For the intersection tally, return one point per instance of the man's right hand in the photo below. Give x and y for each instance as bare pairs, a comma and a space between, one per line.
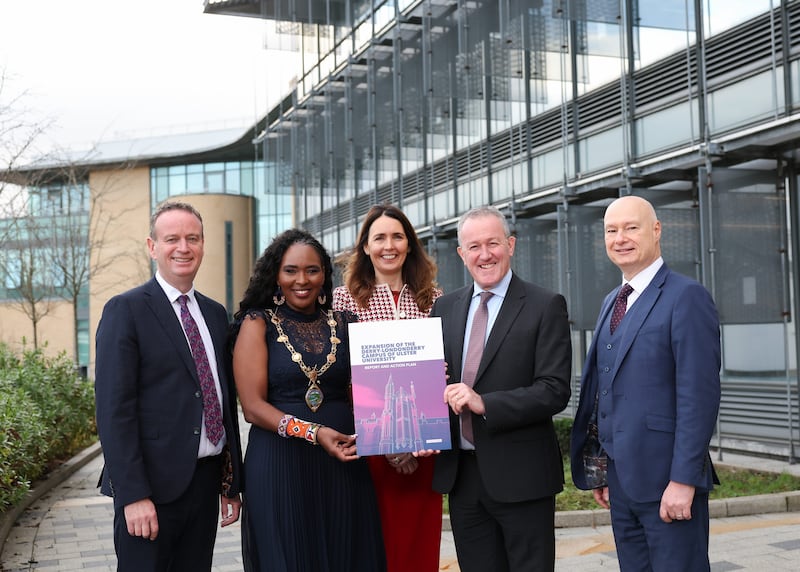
142, 519
601, 496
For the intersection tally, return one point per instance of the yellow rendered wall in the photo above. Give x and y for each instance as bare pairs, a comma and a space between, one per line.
120, 219
124, 201
120, 222
55, 330
216, 209
119, 213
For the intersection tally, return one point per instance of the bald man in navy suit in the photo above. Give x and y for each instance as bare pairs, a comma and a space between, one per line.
649, 399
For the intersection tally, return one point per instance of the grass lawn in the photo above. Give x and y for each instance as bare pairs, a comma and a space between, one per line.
735, 483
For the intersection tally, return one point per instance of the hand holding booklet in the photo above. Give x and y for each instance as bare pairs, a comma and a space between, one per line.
398, 377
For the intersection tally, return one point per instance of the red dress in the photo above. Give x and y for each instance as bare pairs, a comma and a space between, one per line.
410, 510
411, 515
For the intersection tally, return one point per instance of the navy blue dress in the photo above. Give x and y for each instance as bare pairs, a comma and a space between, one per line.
303, 509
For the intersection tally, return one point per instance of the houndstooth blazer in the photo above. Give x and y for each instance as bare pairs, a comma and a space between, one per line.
381, 304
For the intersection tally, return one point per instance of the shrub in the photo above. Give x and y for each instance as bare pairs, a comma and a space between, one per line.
46, 414
19, 443
563, 427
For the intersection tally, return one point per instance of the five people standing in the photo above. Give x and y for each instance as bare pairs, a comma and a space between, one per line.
167, 417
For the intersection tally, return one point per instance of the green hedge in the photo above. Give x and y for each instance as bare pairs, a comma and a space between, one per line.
46, 415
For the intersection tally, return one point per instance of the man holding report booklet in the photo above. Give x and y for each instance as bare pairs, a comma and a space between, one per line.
503, 389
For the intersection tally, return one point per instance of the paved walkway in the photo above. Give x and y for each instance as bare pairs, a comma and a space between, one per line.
69, 528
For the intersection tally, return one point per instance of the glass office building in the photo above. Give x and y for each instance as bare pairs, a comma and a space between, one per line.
549, 109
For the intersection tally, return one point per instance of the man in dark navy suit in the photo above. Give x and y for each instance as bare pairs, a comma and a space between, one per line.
166, 408
649, 400
507, 378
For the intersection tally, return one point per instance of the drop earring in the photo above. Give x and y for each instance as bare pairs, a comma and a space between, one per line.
278, 298
322, 298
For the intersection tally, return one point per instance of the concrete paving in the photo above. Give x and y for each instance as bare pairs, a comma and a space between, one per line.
69, 528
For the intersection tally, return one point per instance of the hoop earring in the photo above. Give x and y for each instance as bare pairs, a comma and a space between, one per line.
278, 298
322, 298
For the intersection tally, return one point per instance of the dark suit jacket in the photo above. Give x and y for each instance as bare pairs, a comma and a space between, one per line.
524, 379
149, 403
665, 389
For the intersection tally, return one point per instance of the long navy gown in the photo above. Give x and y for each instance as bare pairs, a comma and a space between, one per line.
303, 509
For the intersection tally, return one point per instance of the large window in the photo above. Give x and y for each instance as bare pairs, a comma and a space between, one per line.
262, 181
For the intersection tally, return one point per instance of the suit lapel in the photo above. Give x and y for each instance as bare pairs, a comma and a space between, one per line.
165, 315
215, 327
510, 309
461, 309
637, 314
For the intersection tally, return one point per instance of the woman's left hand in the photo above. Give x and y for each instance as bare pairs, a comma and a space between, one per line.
338, 445
403, 463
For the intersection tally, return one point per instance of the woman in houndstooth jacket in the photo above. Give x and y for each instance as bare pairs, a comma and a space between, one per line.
389, 276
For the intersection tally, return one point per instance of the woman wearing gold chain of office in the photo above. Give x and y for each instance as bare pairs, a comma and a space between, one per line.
309, 503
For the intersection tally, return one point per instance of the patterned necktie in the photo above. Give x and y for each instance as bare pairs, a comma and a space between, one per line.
620, 305
211, 409
477, 339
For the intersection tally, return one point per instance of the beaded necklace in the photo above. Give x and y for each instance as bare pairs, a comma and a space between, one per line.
314, 395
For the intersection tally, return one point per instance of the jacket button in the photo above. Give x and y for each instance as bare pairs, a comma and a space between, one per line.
196, 430
198, 395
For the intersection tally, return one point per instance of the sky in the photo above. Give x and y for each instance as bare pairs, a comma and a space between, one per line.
105, 70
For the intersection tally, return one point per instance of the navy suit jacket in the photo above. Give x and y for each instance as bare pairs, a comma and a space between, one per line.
524, 379
149, 402
662, 407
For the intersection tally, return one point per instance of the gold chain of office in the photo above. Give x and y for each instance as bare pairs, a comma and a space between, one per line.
314, 395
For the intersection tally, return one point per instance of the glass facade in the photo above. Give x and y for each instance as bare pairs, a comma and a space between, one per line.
549, 109
273, 209
45, 254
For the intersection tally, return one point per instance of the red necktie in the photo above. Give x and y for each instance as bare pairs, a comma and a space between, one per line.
620, 305
477, 339
211, 409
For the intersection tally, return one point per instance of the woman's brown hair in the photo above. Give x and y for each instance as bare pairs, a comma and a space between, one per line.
419, 269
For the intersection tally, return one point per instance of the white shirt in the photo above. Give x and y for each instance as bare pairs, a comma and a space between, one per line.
642, 280
207, 448
493, 308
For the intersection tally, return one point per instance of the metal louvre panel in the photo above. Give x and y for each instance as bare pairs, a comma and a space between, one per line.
597, 276
748, 231
451, 273
536, 252
758, 412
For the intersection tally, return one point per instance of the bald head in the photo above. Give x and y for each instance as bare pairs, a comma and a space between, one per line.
632, 234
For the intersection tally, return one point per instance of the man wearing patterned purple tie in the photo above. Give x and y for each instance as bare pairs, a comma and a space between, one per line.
649, 398
166, 408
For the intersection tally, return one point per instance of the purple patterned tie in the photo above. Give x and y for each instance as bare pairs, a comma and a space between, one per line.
211, 408
620, 306
477, 339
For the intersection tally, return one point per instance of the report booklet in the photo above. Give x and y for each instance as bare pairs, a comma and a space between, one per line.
398, 386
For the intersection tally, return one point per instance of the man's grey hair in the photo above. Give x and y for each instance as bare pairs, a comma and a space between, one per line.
486, 210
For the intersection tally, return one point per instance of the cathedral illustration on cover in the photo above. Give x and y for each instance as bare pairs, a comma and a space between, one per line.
398, 378
401, 425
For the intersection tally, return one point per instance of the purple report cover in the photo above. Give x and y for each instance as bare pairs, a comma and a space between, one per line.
398, 382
